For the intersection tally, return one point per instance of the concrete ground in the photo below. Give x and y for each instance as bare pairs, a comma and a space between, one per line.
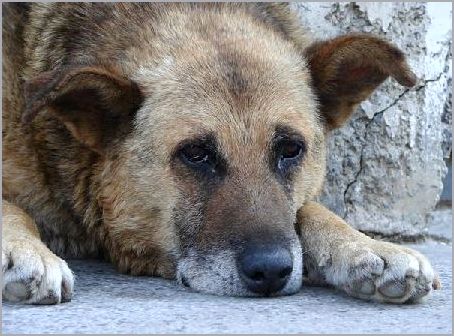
108, 302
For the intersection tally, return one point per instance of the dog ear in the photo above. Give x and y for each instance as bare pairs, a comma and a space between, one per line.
347, 69
94, 103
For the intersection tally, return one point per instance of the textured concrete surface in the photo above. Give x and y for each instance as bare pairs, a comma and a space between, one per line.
386, 167
107, 302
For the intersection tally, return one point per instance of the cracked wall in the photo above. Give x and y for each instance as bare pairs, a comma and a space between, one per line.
385, 167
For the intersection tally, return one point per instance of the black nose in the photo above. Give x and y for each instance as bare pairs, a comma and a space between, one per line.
265, 268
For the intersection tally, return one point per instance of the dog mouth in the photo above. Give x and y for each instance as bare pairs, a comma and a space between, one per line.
259, 271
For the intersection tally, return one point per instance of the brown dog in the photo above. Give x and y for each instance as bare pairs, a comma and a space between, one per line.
185, 140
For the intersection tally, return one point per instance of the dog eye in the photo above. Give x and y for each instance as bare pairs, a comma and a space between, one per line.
201, 156
290, 150
288, 153
196, 154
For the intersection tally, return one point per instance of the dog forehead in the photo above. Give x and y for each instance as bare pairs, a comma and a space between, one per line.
239, 98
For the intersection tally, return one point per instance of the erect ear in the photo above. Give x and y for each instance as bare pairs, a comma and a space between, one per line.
95, 104
347, 69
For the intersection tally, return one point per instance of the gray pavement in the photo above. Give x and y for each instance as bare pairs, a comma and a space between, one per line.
108, 302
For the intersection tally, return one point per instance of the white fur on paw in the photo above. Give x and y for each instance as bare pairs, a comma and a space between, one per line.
382, 272
33, 274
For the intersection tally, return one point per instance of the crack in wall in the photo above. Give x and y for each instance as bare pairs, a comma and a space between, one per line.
406, 238
366, 134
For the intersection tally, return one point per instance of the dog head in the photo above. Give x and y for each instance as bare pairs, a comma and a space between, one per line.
211, 140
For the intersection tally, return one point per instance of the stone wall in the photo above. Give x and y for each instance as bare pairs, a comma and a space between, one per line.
386, 166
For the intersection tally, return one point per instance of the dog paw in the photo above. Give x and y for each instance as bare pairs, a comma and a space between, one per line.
33, 274
382, 272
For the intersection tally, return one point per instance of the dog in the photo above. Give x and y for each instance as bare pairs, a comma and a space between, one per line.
186, 141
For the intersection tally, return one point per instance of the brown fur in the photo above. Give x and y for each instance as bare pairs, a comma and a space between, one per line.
98, 99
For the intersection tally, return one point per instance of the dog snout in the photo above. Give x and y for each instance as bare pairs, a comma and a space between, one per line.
265, 269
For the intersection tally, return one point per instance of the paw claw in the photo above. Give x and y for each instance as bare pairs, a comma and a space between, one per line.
436, 284
51, 298
66, 292
364, 287
394, 289
17, 291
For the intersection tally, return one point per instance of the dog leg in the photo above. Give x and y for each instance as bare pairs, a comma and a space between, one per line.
31, 272
338, 255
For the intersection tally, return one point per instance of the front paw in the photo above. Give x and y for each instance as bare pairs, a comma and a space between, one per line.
33, 274
381, 271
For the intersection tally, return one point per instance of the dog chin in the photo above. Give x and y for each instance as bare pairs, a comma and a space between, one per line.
216, 273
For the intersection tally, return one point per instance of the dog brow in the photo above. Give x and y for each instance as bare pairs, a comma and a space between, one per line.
282, 130
207, 138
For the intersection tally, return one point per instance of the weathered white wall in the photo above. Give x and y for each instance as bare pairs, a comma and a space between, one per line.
386, 166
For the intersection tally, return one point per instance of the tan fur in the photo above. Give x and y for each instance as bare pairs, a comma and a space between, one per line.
95, 115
